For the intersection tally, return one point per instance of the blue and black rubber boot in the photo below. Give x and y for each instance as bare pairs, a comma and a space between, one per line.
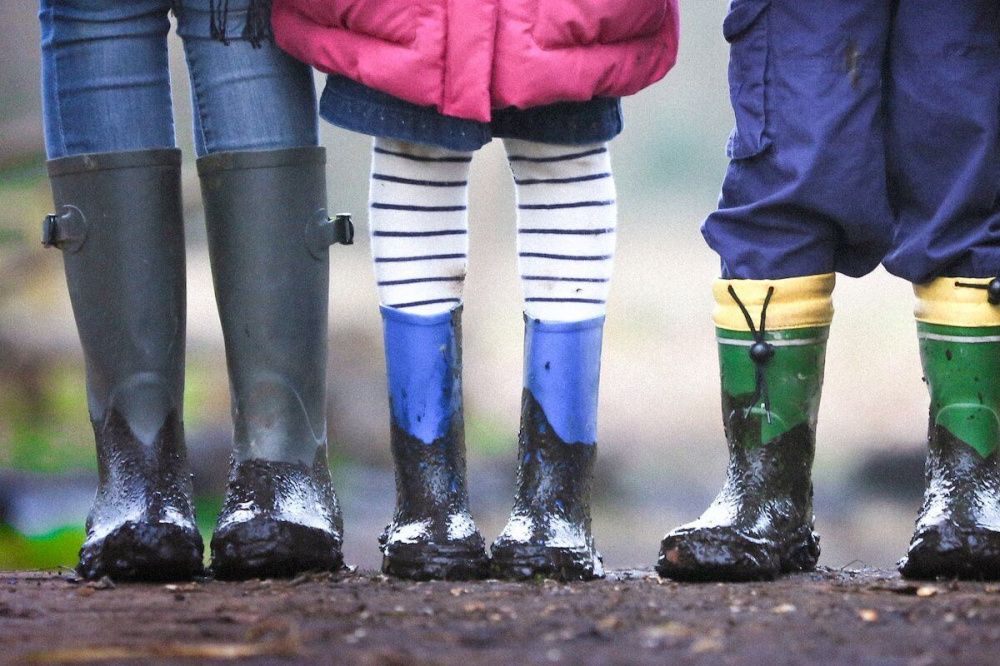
548, 533
432, 534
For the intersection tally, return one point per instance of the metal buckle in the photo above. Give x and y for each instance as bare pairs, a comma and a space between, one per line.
322, 232
66, 231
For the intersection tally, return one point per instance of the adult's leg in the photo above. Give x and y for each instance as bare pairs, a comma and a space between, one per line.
264, 190
116, 186
944, 166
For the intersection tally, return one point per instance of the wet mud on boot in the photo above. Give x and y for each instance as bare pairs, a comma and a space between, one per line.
548, 533
142, 524
958, 530
432, 535
268, 241
761, 523
957, 533
119, 226
278, 520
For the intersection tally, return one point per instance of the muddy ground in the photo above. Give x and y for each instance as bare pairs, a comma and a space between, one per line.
849, 616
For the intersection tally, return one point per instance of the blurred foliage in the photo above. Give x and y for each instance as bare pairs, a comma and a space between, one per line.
57, 549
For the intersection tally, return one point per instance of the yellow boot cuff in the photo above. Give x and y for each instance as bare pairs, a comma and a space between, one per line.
945, 301
799, 302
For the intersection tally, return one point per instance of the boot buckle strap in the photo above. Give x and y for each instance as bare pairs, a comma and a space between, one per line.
322, 232
66, 230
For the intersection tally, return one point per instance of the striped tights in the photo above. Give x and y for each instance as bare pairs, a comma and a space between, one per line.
566, 217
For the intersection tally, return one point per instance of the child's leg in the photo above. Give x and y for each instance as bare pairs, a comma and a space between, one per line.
419, 228
566, 218
418, 213
566, 240
804, 197
944, 169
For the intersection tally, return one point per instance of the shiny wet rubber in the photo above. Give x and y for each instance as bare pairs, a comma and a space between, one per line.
118, 223
548, 533
278, 519
432, 535
761, 523
957, 533
265, 213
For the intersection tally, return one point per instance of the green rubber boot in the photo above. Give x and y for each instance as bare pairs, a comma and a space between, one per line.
268, 240
958, 529
761, 523
119, 226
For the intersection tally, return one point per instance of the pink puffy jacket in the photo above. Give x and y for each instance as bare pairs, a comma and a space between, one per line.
466, 57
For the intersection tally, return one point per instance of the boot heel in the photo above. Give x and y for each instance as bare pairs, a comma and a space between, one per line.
801, 552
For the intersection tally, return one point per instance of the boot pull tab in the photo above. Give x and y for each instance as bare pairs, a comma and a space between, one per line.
760, 352
322, 232
992, 289
66, 231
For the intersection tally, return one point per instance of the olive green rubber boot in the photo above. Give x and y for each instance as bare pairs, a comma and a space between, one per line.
119, 226
958, 529
268, 241
772, 343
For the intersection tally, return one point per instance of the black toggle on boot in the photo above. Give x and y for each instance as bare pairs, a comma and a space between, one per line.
118, 223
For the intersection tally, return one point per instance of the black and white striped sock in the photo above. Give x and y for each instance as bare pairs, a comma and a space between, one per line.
418, 214
566, 217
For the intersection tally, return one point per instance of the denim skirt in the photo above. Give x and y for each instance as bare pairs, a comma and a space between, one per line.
357, 107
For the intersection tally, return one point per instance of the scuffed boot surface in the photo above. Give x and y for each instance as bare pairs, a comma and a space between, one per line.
432, 535
761, 523
142, 524
278, 519
548, 534
958, 530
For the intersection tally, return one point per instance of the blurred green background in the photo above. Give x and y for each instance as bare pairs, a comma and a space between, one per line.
662, 452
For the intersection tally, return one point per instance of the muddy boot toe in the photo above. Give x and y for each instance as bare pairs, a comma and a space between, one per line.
279, 519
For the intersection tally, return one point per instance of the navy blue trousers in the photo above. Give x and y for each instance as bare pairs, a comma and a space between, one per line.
866, 131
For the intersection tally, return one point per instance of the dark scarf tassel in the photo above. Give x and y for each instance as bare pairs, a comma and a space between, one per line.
256, 29
258, 24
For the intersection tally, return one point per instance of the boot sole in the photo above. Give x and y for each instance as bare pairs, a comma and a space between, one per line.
525, 562
725, 557
154, 552
264, 548
927, 559
423, 561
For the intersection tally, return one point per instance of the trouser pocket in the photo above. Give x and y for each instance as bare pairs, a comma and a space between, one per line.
746, 30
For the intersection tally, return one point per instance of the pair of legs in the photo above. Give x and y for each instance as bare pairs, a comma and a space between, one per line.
118, 221
566, 217
865, 131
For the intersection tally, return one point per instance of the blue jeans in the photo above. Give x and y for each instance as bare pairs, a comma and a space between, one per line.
866, 131
106, 85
